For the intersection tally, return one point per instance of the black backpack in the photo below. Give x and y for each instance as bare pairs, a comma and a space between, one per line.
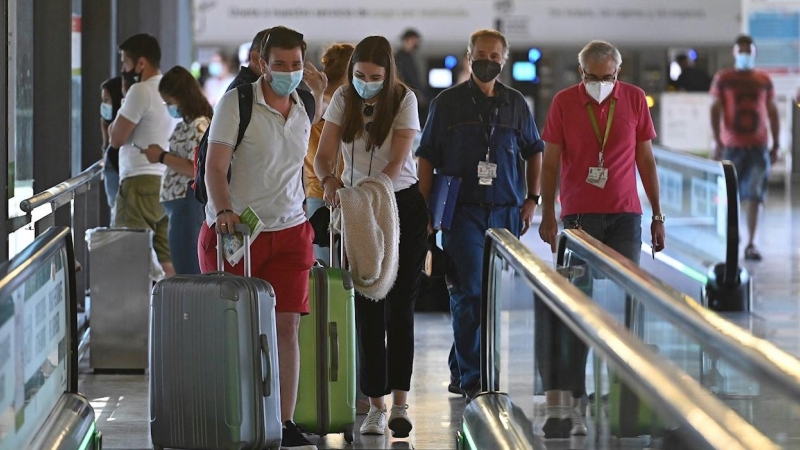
245, 94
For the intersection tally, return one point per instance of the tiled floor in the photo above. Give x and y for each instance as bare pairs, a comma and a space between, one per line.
120, 401
777, 277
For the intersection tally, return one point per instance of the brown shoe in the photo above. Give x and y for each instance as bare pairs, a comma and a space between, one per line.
751, 253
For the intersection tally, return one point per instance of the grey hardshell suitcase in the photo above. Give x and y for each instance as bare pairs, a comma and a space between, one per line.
214, 380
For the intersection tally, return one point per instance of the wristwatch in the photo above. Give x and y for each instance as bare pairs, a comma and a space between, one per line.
536, 198
659, 217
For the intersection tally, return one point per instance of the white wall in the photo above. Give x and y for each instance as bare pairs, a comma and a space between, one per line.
444, 22
232, 22
639, 22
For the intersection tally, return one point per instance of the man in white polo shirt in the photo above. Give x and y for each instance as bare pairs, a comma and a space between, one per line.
266, 175
142, 120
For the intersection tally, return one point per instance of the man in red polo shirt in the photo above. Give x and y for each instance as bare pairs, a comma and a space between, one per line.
743, 104
599, 132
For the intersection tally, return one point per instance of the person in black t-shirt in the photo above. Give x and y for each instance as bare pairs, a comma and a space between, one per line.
408, 71
691, 79
250, 72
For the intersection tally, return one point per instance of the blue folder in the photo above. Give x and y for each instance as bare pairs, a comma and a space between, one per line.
442, 201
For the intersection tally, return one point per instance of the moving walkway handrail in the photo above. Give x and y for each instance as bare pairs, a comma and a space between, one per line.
731, 274
687, 160
704, 417
57, 192
747, 352
727, 170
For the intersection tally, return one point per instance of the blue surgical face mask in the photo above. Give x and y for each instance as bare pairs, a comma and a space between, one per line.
283, 83
173, 111
215, 69
745, 61
367, 89
107, 112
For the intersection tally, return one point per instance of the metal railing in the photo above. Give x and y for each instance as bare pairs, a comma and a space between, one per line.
74, 203
58, 194
703, 418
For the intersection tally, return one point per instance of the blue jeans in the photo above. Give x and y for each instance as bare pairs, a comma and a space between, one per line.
463, 244
622, 232
560, 354
752, 171
186, 216
111, 183
313, 204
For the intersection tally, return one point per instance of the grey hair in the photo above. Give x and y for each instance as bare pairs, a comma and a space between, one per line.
488, 33
598, 51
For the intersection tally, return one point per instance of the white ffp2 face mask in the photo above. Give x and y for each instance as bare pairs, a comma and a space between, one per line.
599, 90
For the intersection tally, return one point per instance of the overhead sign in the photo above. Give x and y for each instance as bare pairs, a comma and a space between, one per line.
638, 22
237, 21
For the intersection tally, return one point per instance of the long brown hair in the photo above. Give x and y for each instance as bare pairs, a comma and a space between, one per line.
179, 84
376, 50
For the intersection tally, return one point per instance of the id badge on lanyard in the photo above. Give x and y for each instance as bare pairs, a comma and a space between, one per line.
598, 175
487, 171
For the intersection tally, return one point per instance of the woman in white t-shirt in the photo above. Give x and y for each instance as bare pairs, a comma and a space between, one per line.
184, 100
373, 119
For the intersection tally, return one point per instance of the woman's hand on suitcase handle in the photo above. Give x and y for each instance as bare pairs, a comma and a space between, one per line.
226, 222
331, 187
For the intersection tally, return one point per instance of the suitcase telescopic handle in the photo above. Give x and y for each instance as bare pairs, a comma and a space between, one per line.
238, 228
267, 381
332, 248
333, 332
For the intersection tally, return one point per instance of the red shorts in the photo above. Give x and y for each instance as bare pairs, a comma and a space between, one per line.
283, 258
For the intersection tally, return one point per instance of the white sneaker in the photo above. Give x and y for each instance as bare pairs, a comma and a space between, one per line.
375, 422
578, 424
399, 422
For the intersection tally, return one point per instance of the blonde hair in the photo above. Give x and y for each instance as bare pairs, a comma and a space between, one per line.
488, 33
336, 60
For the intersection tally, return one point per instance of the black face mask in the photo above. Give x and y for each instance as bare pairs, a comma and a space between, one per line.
130, 77
486, 70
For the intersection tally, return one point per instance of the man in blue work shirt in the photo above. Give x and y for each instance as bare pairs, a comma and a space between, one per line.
479, 126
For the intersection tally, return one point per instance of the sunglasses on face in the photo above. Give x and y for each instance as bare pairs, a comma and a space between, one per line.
281, 33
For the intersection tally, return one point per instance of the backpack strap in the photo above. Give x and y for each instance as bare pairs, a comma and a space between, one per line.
245, 92
308, 102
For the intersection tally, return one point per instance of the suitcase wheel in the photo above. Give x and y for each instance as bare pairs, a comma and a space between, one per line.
348, 433
460, 441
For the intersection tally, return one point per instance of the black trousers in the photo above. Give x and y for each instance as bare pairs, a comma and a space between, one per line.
386, 328
560, 354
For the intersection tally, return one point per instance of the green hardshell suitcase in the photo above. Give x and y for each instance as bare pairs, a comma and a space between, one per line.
326, 395
628, 415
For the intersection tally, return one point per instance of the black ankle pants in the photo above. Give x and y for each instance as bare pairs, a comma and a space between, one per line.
385, 329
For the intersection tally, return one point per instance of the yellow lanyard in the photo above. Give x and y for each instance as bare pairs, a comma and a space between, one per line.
602, 139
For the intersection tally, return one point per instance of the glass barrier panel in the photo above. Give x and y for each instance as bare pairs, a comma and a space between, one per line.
34, 344
530, 344
776, 416
694, 199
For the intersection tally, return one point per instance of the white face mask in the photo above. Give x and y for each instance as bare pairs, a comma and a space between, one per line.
599, 90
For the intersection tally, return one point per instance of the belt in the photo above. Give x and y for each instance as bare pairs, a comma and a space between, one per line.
489, 205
